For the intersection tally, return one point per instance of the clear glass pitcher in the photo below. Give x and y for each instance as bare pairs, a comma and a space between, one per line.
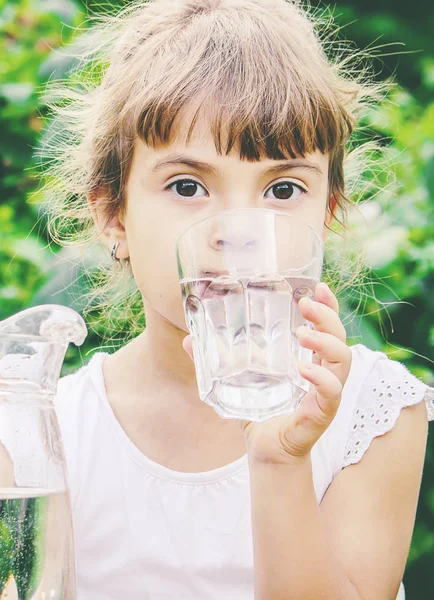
36, 541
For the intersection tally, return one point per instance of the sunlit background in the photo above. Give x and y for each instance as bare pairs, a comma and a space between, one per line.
397, 229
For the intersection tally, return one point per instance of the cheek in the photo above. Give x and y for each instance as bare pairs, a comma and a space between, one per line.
314, 212
154, 266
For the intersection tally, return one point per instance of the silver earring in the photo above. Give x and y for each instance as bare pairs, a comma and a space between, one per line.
113, 254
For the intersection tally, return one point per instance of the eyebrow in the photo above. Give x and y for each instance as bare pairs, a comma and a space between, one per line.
296, 163
186, 161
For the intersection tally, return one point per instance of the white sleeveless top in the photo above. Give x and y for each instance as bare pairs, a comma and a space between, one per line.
145, 532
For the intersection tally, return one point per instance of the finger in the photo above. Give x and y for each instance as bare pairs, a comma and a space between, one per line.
336, 354
324, 295
187, 344
328, 393
323, 317
316, 410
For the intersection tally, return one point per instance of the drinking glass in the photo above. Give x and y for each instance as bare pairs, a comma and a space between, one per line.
242, 274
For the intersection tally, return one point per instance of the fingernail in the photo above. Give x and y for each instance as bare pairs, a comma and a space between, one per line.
302, 330
323, 283
309, 303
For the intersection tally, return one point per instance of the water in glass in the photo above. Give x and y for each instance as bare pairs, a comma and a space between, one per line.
244, 342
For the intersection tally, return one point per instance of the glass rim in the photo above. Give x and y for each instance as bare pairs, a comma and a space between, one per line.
231, 210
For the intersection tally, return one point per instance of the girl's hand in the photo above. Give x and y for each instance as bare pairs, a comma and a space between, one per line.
288, 439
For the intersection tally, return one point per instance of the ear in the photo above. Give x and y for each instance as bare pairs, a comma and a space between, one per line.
329, 217
111, 232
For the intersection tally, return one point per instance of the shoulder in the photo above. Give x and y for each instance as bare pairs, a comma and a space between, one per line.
376, 391
84, 380
79, 396
379, 388
78, 403
382, 382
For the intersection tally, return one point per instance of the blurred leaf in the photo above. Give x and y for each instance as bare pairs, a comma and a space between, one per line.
18, 93
429, 174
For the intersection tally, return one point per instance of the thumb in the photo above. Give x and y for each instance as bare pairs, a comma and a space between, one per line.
187, 344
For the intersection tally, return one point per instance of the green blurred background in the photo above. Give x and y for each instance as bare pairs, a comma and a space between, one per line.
398, 234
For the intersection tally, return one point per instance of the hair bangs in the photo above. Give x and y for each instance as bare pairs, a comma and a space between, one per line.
269, 105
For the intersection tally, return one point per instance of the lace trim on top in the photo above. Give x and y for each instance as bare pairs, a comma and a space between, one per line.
379, 406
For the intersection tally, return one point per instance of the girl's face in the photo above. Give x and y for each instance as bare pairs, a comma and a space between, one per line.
171, 187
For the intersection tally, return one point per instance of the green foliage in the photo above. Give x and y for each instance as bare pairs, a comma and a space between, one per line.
31, 30
399, 230
6, 554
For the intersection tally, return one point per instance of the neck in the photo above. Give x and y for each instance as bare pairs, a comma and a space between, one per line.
155, 365
164, 358
153, 381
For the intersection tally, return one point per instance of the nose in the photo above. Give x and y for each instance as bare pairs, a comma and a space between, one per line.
234, 240
217, 243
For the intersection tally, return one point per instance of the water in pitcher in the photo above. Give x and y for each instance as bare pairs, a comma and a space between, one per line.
33, 553
244, 342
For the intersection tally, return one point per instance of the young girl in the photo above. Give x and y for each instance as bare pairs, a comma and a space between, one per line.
206, 105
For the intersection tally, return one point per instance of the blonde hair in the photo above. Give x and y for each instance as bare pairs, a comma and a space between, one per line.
269, 76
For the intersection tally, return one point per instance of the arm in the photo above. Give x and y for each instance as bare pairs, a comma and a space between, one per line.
355, 545
293, 558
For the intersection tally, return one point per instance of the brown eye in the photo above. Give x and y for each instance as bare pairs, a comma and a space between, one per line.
284, 190
187, 188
